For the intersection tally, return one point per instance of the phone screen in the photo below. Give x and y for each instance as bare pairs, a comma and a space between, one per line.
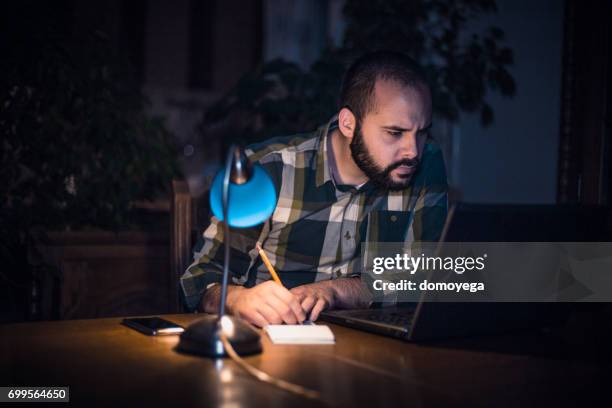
153, 325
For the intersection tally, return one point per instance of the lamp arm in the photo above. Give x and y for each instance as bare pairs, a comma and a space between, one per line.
226, 229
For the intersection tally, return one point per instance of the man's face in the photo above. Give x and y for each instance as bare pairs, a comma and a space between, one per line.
388, 142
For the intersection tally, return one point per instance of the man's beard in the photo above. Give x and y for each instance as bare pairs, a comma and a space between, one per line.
380, 177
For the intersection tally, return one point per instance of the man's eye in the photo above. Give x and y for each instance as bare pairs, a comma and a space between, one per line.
395, 133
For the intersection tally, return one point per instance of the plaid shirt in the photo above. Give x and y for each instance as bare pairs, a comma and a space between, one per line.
318, 226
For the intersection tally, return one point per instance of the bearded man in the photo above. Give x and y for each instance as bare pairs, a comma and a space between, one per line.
371, 174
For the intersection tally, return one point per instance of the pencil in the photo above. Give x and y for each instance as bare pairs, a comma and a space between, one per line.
268, 264
266, 261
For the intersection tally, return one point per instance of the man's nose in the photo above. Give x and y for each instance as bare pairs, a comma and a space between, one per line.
409, 148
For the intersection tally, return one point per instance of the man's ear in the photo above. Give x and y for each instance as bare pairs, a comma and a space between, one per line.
346, 123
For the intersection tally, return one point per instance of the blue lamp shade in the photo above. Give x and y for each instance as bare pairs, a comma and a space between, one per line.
250, 203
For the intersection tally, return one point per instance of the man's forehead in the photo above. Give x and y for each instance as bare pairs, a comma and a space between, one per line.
405, 106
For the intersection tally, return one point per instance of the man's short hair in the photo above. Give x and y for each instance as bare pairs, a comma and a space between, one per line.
357, 92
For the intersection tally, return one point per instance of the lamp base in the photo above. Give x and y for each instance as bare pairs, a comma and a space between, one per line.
202, 337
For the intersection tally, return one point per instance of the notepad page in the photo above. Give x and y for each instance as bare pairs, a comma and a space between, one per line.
300, 334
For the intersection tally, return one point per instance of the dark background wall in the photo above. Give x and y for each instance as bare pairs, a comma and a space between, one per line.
515, 159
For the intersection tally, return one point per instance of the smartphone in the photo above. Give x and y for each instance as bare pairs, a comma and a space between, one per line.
153, 326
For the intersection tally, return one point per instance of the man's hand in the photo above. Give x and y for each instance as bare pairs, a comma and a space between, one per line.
315, 297
344, 293
266, 303
270, 303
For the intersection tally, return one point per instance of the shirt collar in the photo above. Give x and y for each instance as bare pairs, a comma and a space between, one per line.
323, 172
327, 170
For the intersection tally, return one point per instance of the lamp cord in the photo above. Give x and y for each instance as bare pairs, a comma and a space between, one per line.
265, 377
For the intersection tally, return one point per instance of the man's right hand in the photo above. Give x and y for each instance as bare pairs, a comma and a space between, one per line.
266, 303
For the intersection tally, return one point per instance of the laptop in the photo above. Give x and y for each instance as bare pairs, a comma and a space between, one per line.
422, 321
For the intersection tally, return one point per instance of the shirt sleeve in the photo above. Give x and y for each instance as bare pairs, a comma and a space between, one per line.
207, 266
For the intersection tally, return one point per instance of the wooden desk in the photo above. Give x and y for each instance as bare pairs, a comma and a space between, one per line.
107, 364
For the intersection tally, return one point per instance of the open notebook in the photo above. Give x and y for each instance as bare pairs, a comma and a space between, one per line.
300, 334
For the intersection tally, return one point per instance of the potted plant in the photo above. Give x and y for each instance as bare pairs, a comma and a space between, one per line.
78, 148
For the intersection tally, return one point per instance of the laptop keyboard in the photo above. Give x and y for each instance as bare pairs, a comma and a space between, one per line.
403, 318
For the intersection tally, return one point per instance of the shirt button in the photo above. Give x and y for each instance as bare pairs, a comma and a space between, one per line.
347, 236
393, 218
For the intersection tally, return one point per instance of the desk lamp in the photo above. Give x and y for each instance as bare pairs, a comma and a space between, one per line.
242, 195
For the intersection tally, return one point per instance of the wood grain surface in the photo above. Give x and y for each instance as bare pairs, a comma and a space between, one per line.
107, 364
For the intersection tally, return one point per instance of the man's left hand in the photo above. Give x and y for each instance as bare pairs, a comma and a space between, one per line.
315, 297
